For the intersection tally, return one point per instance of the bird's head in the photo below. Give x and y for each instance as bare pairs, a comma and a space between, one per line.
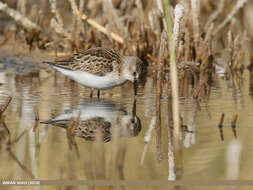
132, 67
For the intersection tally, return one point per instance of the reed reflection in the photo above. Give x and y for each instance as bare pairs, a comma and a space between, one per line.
99, 115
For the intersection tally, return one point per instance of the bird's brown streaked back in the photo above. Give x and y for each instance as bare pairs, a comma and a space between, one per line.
98, 61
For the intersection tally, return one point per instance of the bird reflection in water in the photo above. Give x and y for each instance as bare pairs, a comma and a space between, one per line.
101, 115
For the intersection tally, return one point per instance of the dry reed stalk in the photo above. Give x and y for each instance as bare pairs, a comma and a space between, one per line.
19, 137
154, 17
147, 139
18, 17
197, 90
204, 46
76, 19
236, 60
173, 76
57, 22
187, 49
116, 23
35, 126
80, 29
195, 11
2, 123
141, 16
102, 29
74, 7
158, 96
73, 123
44, 5
37, 119
159, 5
115, 147
152, 58
215, 14
233, 125
238, 5
4, 106
171, 156
120, 162
233, 160
21, 6
69, 135
55, 11
179, 13
220, 126
76, 123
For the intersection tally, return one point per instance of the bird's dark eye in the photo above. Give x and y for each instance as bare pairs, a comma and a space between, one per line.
132, 120
134, 73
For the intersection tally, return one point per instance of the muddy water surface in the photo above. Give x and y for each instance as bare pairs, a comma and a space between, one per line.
46, 154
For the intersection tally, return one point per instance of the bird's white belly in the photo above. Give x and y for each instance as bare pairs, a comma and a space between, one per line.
92, 81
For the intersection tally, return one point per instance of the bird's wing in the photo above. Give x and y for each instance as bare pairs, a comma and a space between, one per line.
87, 128
97, 61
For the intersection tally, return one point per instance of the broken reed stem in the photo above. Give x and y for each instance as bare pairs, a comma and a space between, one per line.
102, 29
95, 24
9, 143
4, 106
4, 125
23, 167
19, 137
220, 126
173, 75
18, 17
238, 5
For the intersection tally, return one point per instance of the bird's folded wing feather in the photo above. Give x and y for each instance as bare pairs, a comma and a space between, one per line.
97, 61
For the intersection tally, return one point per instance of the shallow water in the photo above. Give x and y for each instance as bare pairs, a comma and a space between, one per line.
202, 154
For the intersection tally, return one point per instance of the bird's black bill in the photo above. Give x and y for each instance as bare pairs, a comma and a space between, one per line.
135, 87
134, 108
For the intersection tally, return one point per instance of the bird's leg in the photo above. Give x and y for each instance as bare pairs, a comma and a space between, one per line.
98, 94
91, 93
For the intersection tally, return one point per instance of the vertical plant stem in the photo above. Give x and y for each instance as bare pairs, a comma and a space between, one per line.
158, 100
173, 76
195, 7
